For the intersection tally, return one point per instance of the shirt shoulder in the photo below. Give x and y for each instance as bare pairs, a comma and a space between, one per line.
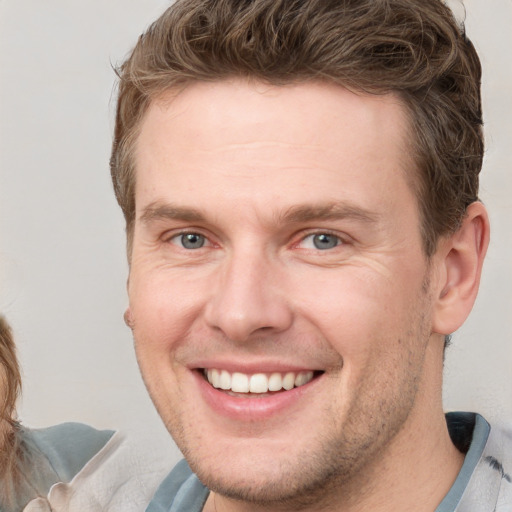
68, 446
484, 483
45, 457
122, 476
497, 462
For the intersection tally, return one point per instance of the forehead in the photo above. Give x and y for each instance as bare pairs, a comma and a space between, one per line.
240, 131
256, 104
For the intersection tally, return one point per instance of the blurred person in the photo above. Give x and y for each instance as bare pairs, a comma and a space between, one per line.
69, 467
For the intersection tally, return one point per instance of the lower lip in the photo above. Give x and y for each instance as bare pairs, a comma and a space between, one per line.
254, 407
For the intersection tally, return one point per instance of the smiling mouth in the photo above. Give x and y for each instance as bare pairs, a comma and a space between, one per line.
258, 383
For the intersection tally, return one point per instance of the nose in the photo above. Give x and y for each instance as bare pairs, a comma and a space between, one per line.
249, 298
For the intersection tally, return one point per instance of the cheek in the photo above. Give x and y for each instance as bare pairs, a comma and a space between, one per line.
362, 315
346, 303
163, 307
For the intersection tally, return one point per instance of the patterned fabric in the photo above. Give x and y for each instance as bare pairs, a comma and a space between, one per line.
484, 483
121, 477
48, 456
75, 468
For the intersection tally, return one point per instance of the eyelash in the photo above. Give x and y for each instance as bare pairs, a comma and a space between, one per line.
339, 240
208, 243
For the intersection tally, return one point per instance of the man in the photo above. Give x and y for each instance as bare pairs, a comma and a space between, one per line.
299, 180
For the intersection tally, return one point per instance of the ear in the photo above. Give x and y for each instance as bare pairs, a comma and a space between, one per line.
459, 259
128, 320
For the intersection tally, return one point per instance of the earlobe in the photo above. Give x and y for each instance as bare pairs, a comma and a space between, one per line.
128, 318
460, 259
128, 313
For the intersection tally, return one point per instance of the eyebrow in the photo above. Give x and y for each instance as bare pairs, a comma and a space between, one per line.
295, 214
329, 211
162, 211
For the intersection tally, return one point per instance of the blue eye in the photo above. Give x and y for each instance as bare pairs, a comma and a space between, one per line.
191, 240
325, 241
321, 241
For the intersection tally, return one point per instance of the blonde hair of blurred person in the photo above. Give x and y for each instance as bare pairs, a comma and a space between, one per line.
10, 387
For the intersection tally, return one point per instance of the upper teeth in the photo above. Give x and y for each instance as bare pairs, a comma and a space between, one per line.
258, 382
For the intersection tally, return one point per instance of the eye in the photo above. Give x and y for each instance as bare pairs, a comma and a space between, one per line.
189, 240
321, 241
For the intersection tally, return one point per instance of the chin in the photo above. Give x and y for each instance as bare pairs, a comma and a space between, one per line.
296, 478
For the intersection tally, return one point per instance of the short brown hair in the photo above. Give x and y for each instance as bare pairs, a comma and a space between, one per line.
413, 48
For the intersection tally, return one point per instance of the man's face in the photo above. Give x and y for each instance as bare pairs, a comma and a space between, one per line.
277, 254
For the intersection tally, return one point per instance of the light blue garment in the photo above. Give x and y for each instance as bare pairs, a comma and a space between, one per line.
180, 491
47, 456
483, 483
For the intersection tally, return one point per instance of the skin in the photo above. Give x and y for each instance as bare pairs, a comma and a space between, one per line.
256, 172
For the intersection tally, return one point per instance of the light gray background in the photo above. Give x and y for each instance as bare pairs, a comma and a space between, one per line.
62, 261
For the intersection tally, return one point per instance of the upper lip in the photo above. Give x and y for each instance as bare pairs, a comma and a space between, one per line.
250, 368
